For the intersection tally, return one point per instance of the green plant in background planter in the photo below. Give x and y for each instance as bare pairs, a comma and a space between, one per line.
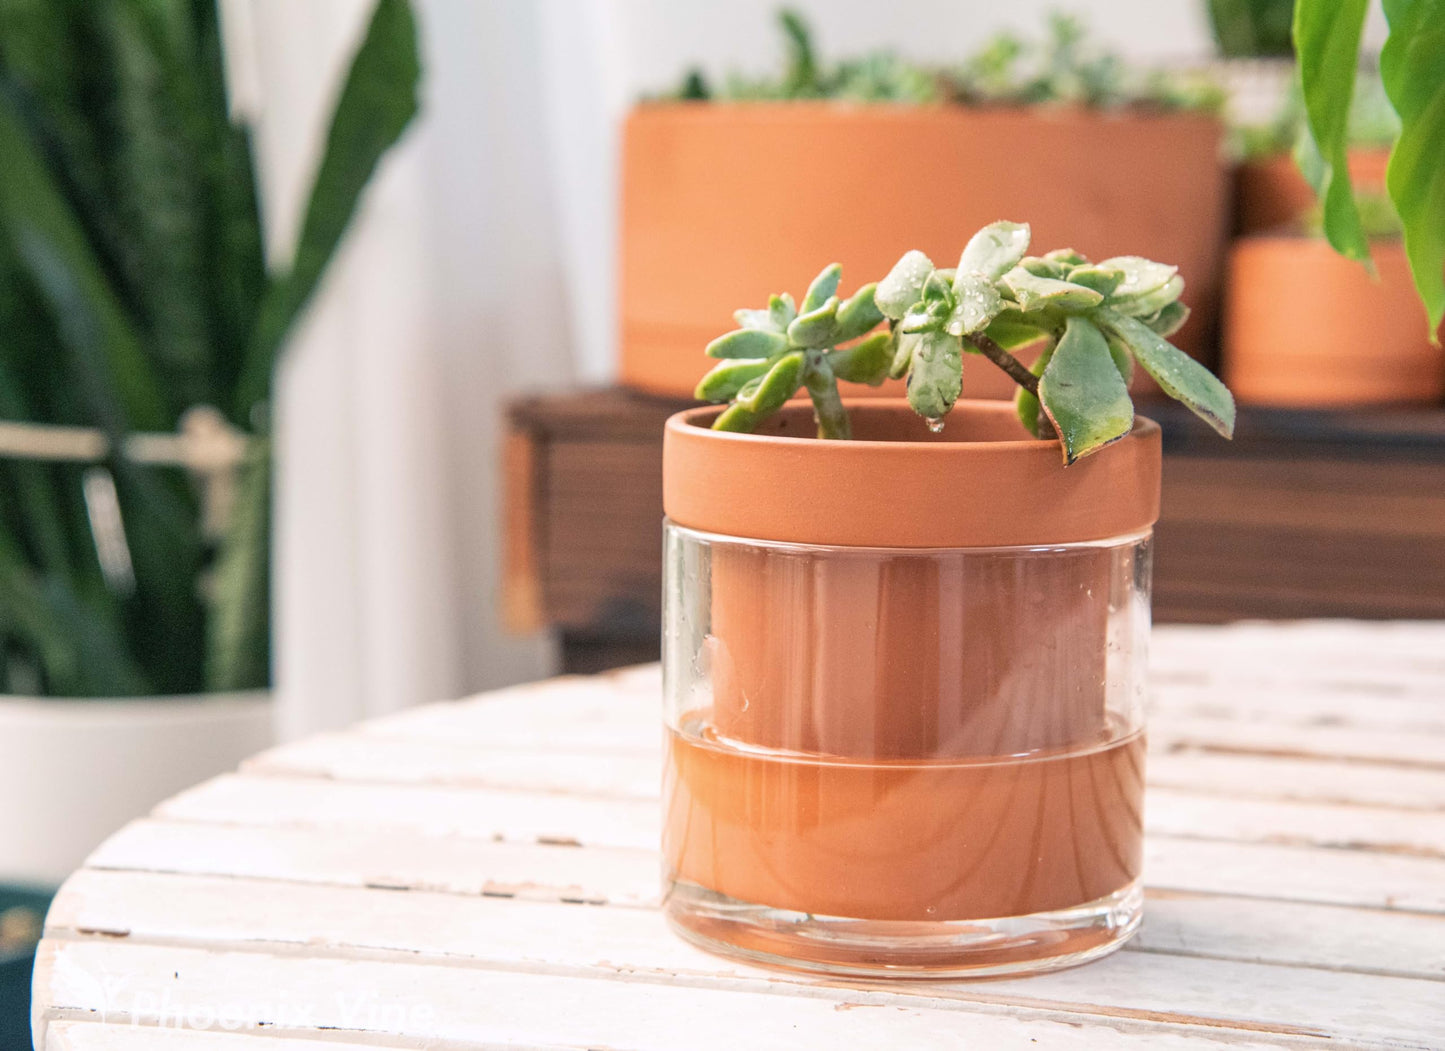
1095, 321
1412, 68
1252, 28
134, 288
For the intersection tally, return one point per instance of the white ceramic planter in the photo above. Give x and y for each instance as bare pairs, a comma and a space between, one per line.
74, 771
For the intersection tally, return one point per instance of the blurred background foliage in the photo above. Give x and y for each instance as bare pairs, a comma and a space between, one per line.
133, 288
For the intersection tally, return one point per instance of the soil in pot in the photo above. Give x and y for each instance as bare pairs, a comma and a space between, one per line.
912, 741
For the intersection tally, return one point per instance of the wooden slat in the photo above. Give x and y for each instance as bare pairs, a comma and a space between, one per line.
1257, 1006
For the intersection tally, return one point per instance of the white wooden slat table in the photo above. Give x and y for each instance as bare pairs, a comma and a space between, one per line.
483, 874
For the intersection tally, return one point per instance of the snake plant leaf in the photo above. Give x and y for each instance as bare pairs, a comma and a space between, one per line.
763, 396
978, 303
1412, 65
823, 288
727, 378
1146, 304
995, 250
903, 286
935, 375
762, 320
238, 628
1082, 392
828, 411
121, 388
1102, 279
1168, 320
783, 310
1327, 48
864, 362
376, 103
1026, 403
815, 328
1179, 375
1066, 257
1034, 293
1140, 276
747, 343
857, 314
1041, 267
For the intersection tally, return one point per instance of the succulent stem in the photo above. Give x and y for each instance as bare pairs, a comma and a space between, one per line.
1016, 369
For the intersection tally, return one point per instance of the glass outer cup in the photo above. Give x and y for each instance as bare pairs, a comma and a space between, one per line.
904, 760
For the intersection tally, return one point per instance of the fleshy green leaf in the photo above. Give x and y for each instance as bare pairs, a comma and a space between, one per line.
1011, 332
758, 319
1034, 293
1147, 304
783, 310
823, 288
1066, 257
727, 378
904, 285
935, 377
815, 328
904, 344
1168, 320
924, 316
978, 304
1102, 279
1082, 392
748, 343
1179, 375
763, 396
1141, 276
1041, 267
995, 250
865, 362
1026, 404
828, 411
1123, 360
1327, 48
857, 314
1412, 65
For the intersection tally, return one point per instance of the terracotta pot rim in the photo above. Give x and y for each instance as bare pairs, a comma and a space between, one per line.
893, 107
991, 491
864, 551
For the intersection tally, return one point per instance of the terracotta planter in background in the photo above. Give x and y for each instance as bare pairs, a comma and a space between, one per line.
905, 681
1306, 328
1271, 193
725, 204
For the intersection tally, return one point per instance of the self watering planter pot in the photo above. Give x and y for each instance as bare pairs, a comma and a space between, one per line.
724, 204
1307, 328
904, 688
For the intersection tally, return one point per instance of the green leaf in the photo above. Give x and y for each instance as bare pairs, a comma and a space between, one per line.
815, 328
828, 411
978, 304
1412, 65
1066, 257
377, 102
1327, 48
762, 320
1034, 293
823, 288
1141, 276
1168, 320
1083, 393
783, 310
1102, 279
747, 343
727, 378
995, 250
865, 362
1041, 267
116, 379
904, 344
1026, 403
935, 376
1149, 303
1179, 375
239, 626
1011, 332
764, 395
903, 286
1123, 360
857, 314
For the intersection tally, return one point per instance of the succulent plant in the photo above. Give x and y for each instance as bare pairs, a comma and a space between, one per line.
1092, 322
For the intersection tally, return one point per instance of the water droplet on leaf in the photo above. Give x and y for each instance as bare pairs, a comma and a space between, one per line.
935, 424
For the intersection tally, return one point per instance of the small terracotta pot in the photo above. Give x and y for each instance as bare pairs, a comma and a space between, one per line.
1271, 193
1307, 328
902, 678
723, 205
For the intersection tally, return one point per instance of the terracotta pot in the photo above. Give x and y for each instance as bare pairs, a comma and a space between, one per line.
1270, 193
723, 205
1307, 328
909, 694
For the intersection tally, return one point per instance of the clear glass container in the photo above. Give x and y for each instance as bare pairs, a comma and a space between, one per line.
904, 761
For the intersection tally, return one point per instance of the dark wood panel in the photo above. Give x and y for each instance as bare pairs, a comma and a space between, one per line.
1305, 514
